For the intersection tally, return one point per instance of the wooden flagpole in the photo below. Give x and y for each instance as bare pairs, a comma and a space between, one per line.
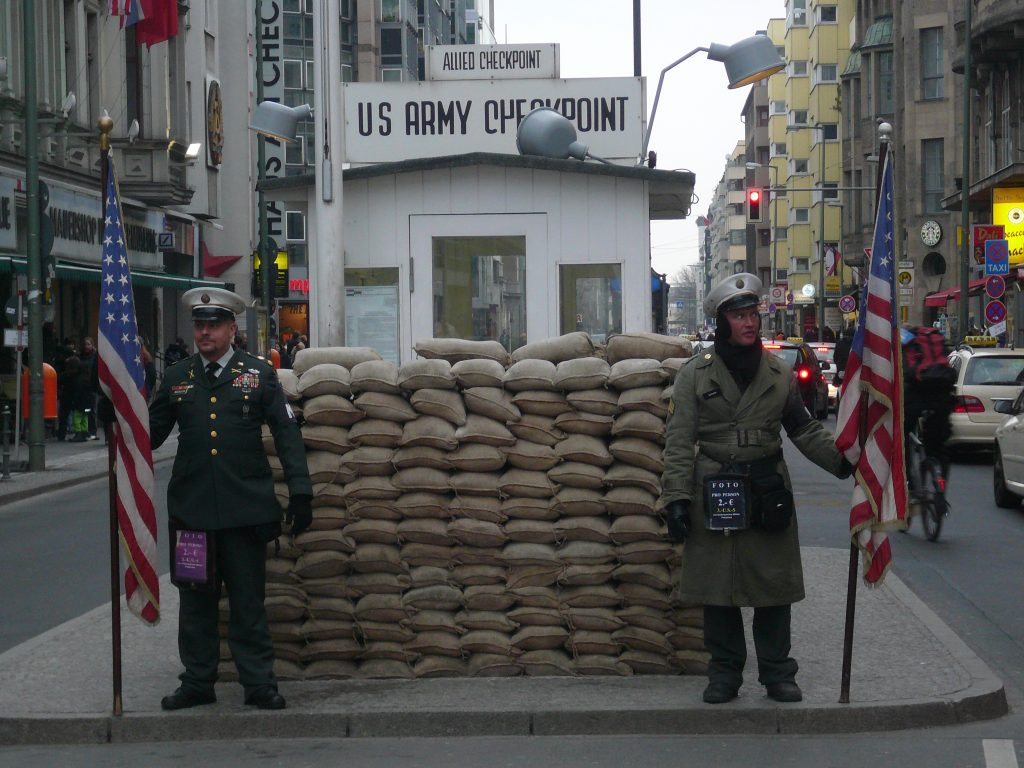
106, 125
851, 581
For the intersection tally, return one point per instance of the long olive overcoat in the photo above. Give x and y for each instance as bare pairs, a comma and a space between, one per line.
712, 423
221, 477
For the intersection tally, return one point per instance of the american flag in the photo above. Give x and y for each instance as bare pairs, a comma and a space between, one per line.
123, 381
869, 429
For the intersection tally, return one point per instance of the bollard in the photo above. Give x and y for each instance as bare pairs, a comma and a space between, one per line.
5, 435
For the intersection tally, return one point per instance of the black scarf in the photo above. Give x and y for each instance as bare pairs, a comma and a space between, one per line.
742, 362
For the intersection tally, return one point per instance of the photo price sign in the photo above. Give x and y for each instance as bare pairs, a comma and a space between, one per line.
387, 122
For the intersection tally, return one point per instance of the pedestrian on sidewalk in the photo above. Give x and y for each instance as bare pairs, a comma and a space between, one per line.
221, 492
730, 500
66, 381
77, 381
91, 378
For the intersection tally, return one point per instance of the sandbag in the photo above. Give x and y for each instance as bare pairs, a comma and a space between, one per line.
569, 346
629, 374
375, 432
331, 410
529, 374
492, 402
443, 403
384, 405
623, 346
581, 374
478, 373
457, 350
426, 374
346, 357
325, 379
375, 376
602, 402
324, 437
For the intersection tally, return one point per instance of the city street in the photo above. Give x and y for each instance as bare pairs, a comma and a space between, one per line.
970, 578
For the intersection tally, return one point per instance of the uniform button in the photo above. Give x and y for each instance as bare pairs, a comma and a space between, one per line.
213, 433
213, 399
213, 415
213, 451
245, 397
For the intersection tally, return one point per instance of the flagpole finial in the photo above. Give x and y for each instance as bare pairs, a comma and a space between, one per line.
105, 125
885, 132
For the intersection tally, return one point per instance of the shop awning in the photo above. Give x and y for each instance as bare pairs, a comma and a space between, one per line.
85, 273
939, 298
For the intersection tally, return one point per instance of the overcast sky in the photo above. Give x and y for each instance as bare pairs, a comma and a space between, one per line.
698, 121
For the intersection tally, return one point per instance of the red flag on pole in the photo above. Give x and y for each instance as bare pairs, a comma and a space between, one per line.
869, 428
122, 379
158, 21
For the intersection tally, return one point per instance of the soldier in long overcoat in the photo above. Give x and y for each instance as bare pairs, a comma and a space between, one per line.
222, 490
728, 408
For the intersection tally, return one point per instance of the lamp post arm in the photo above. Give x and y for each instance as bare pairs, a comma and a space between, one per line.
657, 96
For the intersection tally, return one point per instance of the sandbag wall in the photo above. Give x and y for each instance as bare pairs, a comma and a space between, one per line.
480, 516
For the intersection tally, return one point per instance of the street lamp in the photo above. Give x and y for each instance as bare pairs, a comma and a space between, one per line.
775, 221
747, 61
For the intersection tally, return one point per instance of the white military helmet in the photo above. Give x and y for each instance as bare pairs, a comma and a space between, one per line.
735, 292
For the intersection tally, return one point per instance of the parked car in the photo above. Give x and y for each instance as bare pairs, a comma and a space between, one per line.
1008, 461
985, 376
825, 351
807, 370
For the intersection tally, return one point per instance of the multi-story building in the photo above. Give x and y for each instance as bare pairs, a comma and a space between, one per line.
727, 220
381, 41
164, 99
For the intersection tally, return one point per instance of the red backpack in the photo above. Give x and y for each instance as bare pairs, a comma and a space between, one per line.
925, 357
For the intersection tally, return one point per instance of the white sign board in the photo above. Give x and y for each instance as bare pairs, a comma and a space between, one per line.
371, 319
386, 122
491, 62
997, 328
15, 338
8, 233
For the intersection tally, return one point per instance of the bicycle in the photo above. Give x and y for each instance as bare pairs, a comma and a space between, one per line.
927, 484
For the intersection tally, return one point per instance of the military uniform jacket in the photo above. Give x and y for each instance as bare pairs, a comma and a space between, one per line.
711, 425
221, 477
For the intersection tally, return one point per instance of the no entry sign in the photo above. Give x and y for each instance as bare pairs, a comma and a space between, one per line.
995, 287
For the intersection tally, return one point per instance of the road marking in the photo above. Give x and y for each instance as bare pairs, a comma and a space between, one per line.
999, 753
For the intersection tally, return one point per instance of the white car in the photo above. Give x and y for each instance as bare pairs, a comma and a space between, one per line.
985, 376
825, 352
1008, 461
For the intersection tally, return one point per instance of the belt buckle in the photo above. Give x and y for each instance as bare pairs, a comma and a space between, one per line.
743, 438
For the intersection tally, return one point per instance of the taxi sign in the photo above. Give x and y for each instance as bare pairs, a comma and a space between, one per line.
980, 341
997, 257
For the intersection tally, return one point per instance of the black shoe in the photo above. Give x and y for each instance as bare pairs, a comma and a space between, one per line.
786, 691
183, 698
266, 698
719, 693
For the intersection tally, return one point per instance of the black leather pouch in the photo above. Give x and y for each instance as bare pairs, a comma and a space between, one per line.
773, 505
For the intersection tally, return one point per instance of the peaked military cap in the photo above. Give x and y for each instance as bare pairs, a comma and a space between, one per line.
212, 303
735, 292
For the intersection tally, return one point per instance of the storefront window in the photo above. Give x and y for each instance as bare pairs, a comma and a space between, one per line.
479, 289
590, 299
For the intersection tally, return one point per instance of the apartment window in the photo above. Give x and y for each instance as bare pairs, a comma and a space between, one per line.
799, 166
590, 299
779, 107
294, 151
798, 13
390, 10
932, 80
798, 117
798, 69
779, 148
737, 237
831, 191
762, 116
764, 237
829, 131
781, 233
294, 226
391, 74
801, 265
827, 73
800, 215
391, 45
781, 274
292, 73
885, 83
932, 181
827, 14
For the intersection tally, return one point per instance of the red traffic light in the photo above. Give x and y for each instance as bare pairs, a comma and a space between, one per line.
754, 204
755, 195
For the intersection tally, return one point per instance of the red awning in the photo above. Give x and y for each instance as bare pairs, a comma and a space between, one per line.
215, 266
939, 298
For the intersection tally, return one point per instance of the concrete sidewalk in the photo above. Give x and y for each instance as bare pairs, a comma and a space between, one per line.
66, 464
909, 670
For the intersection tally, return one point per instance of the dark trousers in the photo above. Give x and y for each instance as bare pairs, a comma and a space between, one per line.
241, 562
724, 639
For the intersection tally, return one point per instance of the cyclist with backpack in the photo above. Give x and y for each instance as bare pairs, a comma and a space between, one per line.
927, 389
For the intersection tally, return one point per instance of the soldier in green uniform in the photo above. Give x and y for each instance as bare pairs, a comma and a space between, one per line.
221, 494
727, 492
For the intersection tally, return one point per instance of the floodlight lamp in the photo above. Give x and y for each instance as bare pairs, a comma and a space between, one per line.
277, 121
749, 60
547, 133
192, 152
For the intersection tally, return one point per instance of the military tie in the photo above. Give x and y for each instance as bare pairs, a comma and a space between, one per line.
211, 371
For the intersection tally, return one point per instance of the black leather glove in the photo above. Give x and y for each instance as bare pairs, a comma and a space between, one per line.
105, 410
845, 470
300, 514
678, 513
